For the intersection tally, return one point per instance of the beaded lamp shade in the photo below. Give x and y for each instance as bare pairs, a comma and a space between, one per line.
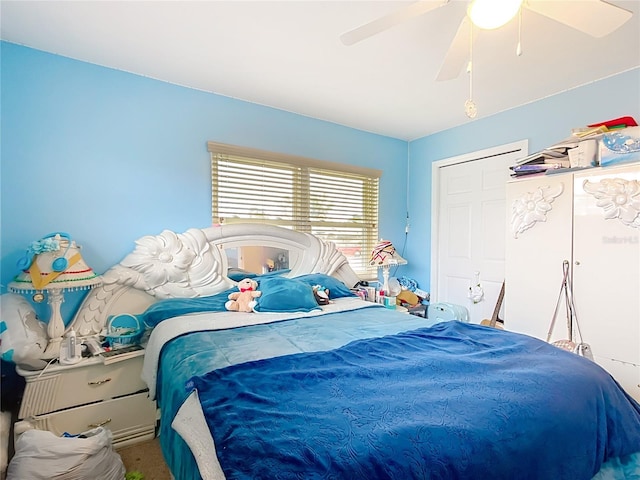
384, 253
40, 276
53, 265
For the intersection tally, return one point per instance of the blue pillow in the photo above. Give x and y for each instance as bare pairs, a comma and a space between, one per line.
282, 294
337, 289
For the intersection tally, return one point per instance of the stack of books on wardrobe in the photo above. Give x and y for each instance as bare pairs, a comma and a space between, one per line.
577, 151
551, 158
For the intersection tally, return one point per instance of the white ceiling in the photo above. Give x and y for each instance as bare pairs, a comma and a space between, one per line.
287, 55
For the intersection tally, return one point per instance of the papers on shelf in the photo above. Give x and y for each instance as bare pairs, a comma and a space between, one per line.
589, 132
531, 169
582, 144
557, 153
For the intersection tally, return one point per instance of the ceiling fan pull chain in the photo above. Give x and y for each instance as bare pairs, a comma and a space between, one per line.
470, 108
519, 47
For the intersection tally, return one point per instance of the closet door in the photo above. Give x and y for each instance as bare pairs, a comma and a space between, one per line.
539, 231
606, 269
469, 227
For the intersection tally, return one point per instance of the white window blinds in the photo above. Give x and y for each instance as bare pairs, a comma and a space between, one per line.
335, 202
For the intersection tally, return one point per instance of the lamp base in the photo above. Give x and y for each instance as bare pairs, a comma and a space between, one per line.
385, 279
55, 325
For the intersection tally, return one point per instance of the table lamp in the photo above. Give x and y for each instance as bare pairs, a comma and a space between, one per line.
384, 255
53, 265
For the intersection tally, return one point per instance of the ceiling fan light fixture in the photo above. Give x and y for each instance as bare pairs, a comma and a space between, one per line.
491, 14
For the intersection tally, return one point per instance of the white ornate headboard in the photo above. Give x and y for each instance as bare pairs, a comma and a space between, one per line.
195, 264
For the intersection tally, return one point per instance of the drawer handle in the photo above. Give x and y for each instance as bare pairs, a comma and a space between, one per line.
100, 382
99, 424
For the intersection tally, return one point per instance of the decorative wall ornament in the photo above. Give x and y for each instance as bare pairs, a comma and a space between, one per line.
476, 292
533, 207
618, 198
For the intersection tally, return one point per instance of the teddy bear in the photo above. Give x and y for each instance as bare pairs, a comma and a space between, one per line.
244, 300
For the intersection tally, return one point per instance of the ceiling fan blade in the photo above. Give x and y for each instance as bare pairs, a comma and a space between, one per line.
383, 23
458, 53
593, 17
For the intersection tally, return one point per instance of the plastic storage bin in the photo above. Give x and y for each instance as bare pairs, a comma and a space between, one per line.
444, 312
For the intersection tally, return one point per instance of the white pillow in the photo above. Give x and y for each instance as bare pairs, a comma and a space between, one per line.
23, 338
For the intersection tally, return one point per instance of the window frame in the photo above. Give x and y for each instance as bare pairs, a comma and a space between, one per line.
305, 168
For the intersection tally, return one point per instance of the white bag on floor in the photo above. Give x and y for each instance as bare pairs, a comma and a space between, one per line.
40, 455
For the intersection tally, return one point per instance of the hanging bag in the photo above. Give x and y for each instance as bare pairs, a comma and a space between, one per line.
566, 292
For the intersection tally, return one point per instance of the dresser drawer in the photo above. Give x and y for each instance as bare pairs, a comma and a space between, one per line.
64, 388
130, 419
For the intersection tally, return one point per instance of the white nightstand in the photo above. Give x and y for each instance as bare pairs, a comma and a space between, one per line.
76, 398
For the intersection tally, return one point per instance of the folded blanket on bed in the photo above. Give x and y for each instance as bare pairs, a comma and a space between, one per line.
452, 401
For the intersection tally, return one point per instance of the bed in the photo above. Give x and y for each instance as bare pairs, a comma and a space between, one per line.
350, 389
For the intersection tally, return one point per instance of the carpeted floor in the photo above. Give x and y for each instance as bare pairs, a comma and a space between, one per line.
147, 459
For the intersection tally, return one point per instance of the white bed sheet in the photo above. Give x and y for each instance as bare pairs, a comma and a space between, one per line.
191, 425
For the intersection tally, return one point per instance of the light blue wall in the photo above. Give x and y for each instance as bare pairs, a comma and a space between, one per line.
108, 156
542, 123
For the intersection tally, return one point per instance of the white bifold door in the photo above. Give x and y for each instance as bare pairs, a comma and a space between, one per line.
468, 228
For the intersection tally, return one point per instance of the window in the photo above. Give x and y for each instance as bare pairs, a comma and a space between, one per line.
335, 202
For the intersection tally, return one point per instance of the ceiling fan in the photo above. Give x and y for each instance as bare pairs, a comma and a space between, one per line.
593, 17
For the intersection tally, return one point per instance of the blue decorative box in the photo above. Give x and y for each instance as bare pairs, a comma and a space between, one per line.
620, 146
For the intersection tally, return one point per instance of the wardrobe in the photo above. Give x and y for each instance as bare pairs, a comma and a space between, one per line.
589, 219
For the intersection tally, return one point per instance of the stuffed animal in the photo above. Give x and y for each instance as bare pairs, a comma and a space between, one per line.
244, 300
321, 294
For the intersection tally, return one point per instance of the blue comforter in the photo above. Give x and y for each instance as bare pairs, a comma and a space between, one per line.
451, 401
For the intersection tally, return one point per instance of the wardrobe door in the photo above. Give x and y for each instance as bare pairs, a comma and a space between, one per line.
606, 269
539, 223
